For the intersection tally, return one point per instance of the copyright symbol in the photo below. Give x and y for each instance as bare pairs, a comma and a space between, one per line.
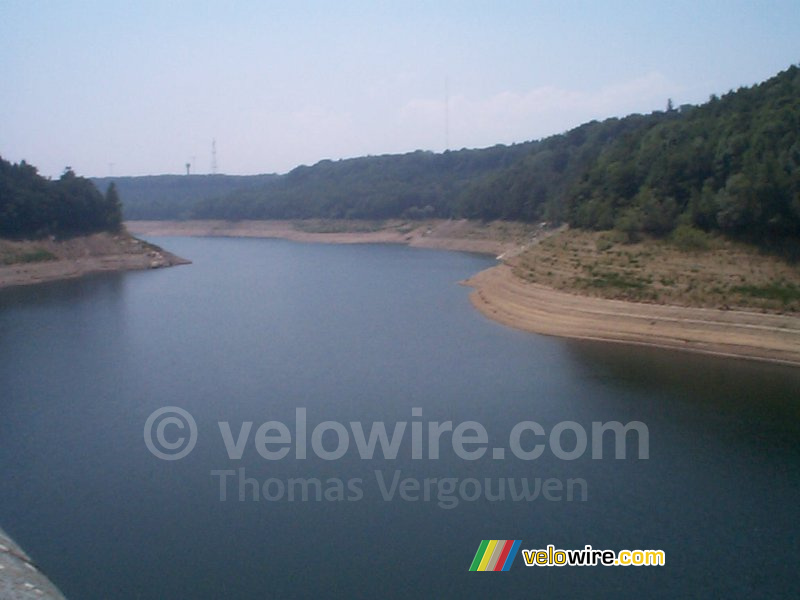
181, 444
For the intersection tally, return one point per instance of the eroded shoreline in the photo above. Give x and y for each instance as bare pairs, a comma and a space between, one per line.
80, 256
494, 239
506, 298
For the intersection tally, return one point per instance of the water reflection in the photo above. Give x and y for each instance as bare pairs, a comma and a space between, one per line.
746, 401
109, 286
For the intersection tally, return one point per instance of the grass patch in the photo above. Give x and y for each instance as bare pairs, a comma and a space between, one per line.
32, 256
617, 280
780, 292
337, 226
729, 274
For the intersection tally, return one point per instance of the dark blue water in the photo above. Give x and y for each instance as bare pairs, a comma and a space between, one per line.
254, 329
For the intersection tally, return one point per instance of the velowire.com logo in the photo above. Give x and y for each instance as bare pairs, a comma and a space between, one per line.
495, 555
498, 555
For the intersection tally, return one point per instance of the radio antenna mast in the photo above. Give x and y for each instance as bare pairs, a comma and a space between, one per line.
214, 156
447, 113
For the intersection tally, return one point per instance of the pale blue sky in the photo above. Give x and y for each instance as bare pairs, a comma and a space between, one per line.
142, 87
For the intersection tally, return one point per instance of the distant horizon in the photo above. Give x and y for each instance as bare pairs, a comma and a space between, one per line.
344, 158
134, 90
443, 151
224, 174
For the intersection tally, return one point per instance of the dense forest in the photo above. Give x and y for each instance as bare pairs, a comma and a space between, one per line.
415, 185
32, 206
729, 165
175, 196
732, 164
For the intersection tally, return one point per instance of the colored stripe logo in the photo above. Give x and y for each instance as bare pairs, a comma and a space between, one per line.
495, 555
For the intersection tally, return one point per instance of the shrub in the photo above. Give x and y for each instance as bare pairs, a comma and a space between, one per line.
688, 238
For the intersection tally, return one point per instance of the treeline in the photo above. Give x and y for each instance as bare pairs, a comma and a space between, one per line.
415, 185
543, 184
175, 196
32, 206
729, 165
732, 164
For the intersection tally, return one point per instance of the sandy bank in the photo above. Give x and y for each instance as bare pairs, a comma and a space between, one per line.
468, 236
78, 256
508, 299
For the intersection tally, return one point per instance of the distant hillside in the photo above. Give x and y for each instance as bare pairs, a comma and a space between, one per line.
729, 165
418, 184
175, 196
732, 164
32, 206
415, 185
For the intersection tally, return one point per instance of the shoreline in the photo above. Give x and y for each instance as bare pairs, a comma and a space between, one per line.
76, 257
503, 297
507, 299
498, 293
494, 239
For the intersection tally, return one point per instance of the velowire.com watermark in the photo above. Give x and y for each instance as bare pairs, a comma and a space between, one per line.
171, 433
445, 492
181, 445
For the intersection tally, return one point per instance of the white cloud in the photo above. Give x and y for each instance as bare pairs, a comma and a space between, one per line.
508, 116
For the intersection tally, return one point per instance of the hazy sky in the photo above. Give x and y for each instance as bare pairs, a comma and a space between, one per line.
131, 88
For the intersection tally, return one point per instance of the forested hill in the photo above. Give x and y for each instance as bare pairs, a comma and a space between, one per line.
417, 184
32, 206
730, 164
176, 196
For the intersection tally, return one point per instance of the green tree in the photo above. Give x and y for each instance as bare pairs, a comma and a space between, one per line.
113, 208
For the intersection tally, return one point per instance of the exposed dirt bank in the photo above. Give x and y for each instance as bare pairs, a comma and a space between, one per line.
29, 262
510, 299
487, 238
506, 298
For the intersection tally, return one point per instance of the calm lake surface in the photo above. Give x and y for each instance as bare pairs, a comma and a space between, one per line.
255, 329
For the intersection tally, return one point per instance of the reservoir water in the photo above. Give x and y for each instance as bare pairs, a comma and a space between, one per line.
254, 330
